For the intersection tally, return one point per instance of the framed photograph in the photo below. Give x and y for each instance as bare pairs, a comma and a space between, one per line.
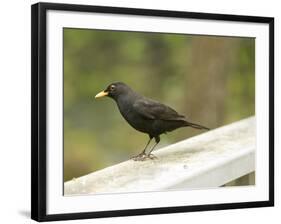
140, 111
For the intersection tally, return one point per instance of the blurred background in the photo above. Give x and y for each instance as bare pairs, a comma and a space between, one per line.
208, 78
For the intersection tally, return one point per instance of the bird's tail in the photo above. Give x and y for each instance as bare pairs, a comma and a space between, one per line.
197, 126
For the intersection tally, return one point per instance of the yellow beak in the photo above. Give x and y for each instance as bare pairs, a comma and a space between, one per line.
101, 94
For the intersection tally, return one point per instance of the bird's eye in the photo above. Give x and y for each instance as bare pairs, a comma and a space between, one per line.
112, 88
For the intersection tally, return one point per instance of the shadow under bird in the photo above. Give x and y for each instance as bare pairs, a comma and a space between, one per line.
145, 115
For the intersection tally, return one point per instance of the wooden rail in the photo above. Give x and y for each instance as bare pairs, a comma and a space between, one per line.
211, 159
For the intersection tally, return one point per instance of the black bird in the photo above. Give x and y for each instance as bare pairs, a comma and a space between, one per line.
145, 115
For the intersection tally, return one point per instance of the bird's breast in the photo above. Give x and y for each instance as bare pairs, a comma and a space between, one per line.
135, 119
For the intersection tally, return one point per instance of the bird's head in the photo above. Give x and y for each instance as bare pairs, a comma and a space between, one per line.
114, 90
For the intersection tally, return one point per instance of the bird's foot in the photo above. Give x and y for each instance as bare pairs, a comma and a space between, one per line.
152, 156
140, 157
143, 156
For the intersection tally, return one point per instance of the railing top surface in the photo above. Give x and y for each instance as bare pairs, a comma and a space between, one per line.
209, 159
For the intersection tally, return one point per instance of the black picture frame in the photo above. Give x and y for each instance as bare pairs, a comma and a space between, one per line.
38, 110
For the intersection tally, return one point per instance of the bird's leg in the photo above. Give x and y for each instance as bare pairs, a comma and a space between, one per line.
143, 152
142, 155
150, 155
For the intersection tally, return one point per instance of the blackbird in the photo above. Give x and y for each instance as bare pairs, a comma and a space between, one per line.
145, 115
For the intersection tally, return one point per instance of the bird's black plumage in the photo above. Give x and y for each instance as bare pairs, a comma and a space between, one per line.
145, 115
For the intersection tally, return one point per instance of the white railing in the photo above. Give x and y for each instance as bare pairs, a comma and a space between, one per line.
214, 158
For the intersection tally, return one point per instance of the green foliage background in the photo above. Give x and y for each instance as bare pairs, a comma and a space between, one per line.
210, 79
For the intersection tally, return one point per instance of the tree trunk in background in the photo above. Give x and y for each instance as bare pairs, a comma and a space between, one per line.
211, 58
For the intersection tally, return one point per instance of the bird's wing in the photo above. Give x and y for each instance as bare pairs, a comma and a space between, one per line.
154, 110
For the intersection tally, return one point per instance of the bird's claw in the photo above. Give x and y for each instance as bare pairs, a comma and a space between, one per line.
140, 157
152, 156
143, 156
